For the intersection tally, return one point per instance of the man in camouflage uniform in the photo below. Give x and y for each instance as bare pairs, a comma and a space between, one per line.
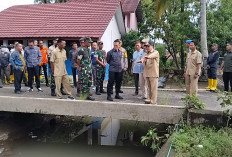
82, 44
85, 70
100, 56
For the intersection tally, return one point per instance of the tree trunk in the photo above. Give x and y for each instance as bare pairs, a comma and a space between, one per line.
204, 49
182, 40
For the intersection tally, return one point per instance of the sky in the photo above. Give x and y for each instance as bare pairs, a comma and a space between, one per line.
4, 4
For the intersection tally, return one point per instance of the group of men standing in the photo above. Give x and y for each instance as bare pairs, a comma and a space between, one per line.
91, 66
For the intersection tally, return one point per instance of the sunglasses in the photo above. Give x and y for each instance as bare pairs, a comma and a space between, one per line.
146, 45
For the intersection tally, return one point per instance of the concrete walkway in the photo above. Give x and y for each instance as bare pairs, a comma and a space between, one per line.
168, 110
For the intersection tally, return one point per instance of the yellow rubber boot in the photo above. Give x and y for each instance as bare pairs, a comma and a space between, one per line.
12, 78
210, 84
214, 87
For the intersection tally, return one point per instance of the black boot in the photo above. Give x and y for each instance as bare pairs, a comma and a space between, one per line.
117, 96
90, 98
102, 91
62, 91
98, 91
109, 98
120, 91
53, 93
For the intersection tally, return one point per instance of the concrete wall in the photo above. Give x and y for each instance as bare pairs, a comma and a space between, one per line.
111, 33
114, 110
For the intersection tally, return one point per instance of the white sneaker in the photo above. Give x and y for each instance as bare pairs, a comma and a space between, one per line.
29, 90
40, 90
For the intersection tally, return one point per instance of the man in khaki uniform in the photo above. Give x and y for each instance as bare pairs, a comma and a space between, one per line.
58, 68
192, 69
151, 71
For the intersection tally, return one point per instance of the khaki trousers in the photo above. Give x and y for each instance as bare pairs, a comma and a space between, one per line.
152, 83
191, 84
65, 81
143, 86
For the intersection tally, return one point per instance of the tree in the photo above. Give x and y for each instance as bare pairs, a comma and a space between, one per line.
162, 5
173, 27
204, 49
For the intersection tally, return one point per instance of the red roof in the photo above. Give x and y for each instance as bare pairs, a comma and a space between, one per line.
129, 6
73, 19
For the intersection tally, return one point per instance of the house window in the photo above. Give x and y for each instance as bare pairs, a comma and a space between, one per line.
1, 42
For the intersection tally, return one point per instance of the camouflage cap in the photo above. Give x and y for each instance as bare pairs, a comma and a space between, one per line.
100, 42
82, 40
56, 39
88, 39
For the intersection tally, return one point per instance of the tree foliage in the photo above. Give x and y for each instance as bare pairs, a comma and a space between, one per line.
129, 40
175, 26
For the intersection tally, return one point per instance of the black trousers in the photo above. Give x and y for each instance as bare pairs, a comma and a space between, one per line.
114, 77
18, 76
227, 79
44, 66
74, 72
136, 79
33, 71
121, 77
212, 73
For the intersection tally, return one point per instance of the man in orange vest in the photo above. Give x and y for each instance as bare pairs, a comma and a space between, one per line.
43, 64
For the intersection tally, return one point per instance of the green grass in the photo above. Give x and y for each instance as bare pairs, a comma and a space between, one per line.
203, 142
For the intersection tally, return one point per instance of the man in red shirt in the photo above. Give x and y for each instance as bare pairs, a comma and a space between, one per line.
43, 64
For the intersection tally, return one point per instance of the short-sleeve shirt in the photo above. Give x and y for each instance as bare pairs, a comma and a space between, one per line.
151, 68
138, 67
44, 53
228, 62
192, 60
58, 58
100, 54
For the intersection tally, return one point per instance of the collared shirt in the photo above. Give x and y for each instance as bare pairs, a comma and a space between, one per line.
114, 60
72, 55
94, 62
17, 60
138, 67
50, 49
124, 59
44, 52
151, 68
32, 56
192, 61
228, 62
58, 58
213, 59
4, 59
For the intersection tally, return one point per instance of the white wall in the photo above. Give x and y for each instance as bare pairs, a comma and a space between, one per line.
109, 131
111, 33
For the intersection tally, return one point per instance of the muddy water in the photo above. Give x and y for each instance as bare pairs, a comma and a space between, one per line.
28, 135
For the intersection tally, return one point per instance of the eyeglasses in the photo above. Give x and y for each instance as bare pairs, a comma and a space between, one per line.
146, 45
